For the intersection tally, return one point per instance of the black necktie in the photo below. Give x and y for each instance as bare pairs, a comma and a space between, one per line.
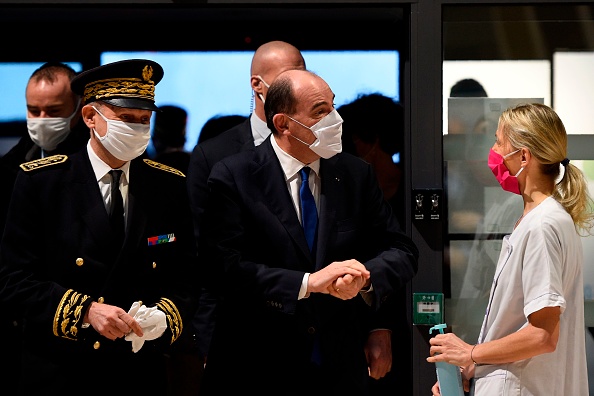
309, 213
116, 208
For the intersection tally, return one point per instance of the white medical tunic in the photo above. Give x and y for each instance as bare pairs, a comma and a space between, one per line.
540, 266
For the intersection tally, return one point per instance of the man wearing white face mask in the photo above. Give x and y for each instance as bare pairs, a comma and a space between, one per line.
269, 60
54, 126
298, 296
98, 249
53, 122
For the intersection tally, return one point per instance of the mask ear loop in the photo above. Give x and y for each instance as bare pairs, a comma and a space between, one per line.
509, 154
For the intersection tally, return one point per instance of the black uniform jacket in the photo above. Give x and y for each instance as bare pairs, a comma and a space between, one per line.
57, 255
25, 150
263, 337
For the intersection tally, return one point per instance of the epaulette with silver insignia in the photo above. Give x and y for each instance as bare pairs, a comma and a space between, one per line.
163, 167
43, 162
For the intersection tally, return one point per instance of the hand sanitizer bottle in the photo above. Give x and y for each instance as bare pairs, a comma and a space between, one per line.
448, 375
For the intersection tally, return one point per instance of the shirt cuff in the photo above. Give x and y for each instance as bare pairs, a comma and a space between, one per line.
303, 289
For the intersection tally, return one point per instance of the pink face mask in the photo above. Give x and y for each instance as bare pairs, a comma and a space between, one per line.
507, 181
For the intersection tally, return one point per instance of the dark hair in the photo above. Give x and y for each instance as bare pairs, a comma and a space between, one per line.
280, 99
218, 124
468, 88
370, 117
49, 70
170, 127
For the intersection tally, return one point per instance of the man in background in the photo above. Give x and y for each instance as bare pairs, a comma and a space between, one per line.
371, 139
54, 126
218, 124
53, 123
169, 137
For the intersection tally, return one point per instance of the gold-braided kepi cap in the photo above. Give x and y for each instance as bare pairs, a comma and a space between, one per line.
128, 83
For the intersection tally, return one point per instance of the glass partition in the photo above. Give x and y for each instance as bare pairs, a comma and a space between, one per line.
541, 52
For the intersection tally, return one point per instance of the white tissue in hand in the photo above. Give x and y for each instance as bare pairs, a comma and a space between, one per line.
152, 321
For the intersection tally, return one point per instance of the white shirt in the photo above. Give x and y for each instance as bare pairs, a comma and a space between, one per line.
291, 168
540, 266
103, 178
260, 130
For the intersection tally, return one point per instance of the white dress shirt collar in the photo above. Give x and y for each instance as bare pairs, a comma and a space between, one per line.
101, 168
259, 129
291, 166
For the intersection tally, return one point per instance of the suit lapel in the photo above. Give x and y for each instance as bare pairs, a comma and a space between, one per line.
245, 138
330, 196
271, 180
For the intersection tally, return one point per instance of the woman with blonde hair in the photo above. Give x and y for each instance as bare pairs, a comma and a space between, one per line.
532, 341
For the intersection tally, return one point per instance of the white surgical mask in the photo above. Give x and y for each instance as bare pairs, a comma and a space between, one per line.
266, 84
124, 140
328, 133
47, 133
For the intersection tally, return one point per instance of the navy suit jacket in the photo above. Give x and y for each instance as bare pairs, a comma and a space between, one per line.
203, 158
57, 254
255, 255
208, 153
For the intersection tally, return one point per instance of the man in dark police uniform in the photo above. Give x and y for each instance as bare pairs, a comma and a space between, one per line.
103, 299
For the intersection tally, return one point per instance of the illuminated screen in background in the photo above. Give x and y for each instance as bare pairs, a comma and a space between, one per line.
13, 80
213, 83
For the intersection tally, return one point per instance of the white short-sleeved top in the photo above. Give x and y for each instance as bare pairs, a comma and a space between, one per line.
540, 265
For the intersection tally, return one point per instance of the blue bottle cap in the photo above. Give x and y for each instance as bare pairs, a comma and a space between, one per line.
439, 327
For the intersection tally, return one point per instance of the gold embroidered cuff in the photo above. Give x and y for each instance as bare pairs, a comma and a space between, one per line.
70, 313
174, 319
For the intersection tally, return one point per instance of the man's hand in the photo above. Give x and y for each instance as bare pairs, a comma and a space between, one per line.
342, 279
378, 350
111, 322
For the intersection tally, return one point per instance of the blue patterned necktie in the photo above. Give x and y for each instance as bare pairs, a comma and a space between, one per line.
309, 221
309, 213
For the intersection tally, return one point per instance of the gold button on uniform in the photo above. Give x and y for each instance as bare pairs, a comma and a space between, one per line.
80, 261
154, 265
100, 300
96, 345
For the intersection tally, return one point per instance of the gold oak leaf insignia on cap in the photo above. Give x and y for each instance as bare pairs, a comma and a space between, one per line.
147, 73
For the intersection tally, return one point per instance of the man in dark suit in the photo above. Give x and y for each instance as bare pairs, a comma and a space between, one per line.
100, 312
294, 319
269, 60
